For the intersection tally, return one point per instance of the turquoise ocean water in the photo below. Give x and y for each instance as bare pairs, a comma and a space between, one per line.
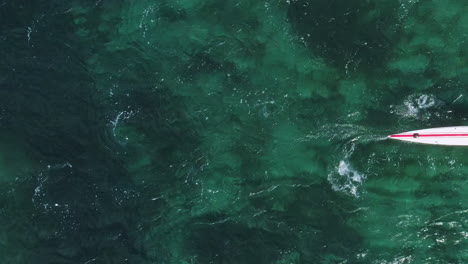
209, 131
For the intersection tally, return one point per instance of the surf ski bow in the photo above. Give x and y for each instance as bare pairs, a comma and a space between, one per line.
449, 136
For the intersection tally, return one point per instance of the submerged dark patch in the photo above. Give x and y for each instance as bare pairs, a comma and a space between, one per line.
343, 31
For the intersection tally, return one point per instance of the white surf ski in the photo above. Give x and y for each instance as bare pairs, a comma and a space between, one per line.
449, 136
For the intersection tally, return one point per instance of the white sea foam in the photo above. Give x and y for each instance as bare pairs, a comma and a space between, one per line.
342, 176
425, 101
123, 115
417, 106
59, 166
345, 178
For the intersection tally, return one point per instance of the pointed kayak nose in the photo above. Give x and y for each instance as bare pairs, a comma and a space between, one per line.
406, 135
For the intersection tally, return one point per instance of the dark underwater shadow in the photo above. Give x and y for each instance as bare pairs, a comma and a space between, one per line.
342, 31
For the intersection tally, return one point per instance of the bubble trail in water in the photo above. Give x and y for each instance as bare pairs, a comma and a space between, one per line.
344, 177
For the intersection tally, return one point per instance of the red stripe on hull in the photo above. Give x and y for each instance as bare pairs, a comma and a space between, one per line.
429, 135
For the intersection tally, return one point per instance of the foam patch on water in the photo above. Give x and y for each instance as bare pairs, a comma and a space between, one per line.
343, 177
123, 115
346, 179
418, 106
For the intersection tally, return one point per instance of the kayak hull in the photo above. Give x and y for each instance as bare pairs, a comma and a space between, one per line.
448, 136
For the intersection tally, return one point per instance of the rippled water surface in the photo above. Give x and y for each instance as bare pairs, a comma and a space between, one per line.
208, 131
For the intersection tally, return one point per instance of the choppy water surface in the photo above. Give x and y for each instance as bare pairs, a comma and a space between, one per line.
244, 131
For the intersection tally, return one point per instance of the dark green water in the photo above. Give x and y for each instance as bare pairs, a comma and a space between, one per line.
208, 131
